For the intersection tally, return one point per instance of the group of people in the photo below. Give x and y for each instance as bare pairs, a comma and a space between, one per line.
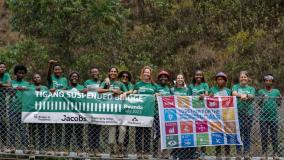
120, 84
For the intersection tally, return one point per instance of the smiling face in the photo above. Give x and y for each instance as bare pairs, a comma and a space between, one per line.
2, 69
37, 79
243, 79
147, 74
95, 73
198, 76
113, 73
180, 80
74, 78
57, 70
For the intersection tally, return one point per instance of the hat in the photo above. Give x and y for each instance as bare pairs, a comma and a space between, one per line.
221, 74
163, 73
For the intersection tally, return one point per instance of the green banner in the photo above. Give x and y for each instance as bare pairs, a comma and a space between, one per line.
76, 107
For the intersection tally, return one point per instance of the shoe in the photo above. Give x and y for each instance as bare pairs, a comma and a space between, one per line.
49, 153
275, 157
145, 156
80, 153
139, 155
165, 155
264, 156
247, 156
27, 151
42, 152
65, 153
238, 157
218, 157
58, 153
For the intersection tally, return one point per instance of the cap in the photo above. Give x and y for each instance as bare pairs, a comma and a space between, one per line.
221, 74
163, 73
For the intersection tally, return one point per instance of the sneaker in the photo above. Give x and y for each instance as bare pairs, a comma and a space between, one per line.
27, 151
58, 153
49, 153
238, 157
42, 152
97, 153
139, 155
65, 153
145, 156
247, 157
275, 157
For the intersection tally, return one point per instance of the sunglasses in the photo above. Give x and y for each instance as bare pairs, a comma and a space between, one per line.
125, 76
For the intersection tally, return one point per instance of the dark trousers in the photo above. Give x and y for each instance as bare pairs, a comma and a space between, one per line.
37, 135
78, 135
265, 128
143, 139
94, 136
245, 122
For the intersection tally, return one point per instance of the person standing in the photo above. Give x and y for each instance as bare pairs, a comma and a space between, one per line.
143, 134
245, 95
269, 116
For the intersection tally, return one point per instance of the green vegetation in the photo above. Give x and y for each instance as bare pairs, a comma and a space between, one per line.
177, 35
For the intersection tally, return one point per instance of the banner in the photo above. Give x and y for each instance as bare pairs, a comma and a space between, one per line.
75, 107
186, 121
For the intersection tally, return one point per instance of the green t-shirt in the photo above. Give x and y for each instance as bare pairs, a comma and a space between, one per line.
244, 107
114, 85
76, 89
5, 78
164, 90
92, 85
22, 83
42, 88
129, 86
58, 83
269, 104
195, 90
145, 88
223, 92
180, 91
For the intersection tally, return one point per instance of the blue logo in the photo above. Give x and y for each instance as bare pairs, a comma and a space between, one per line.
170, 115
217, 138
232, 139
187, 140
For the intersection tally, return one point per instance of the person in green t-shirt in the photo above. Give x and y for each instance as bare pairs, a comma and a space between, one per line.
116, 88
221, 90
5, 82
245, 95
200, 88
38, 127
77, 129
268, 116
163, 89
92, 85
126, 78
20, 85
143, 134
180, 88
94, 82
55, 80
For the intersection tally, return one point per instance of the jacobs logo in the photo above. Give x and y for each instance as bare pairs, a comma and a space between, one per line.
72, 119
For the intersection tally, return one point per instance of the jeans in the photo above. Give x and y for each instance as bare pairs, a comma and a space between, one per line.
143, 139
265, 128
245, 122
